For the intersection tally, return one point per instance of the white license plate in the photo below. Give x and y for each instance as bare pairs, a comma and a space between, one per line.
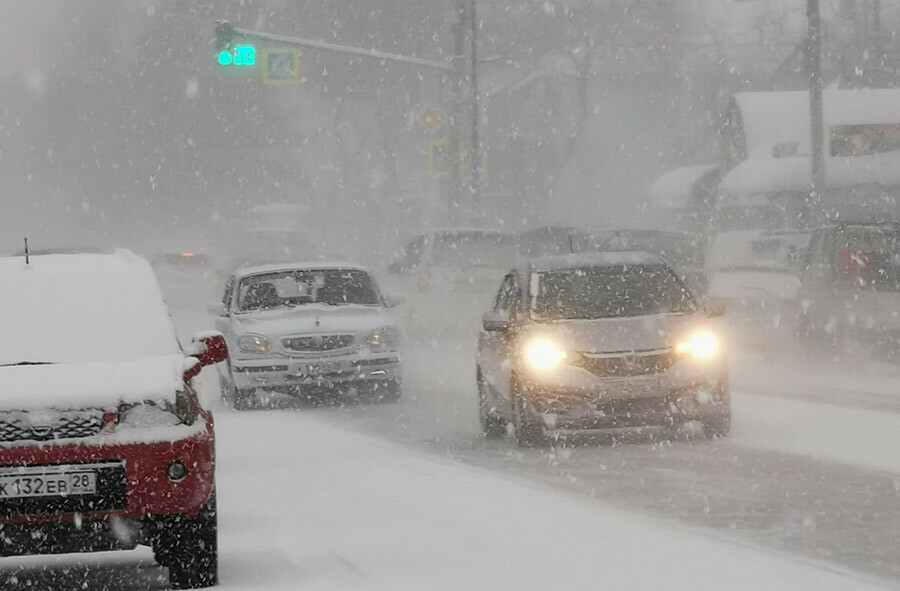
62, 481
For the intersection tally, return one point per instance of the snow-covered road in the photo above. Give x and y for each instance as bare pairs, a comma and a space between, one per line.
804, 495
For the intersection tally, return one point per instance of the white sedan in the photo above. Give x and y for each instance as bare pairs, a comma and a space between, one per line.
308, 332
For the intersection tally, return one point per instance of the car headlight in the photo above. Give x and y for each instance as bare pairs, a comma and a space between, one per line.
702, 345
254, 343
383, 338
544, 355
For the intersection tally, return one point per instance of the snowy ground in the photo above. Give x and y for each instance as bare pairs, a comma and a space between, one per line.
804, 495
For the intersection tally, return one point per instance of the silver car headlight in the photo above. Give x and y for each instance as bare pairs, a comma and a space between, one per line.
254, 343
383, 339
701, 345
544, 354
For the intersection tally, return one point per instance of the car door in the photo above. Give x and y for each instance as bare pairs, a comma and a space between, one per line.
495, 346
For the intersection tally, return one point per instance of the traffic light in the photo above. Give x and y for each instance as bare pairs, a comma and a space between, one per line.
229, 53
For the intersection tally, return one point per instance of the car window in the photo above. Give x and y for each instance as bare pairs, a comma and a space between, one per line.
868, 256
412, 257
229, 292
503, 294
473, 249
609, 292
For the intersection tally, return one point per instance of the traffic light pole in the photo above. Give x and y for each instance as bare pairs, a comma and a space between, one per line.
816, 116
343, 49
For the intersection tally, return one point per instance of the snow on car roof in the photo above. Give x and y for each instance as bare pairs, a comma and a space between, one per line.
312, 266
594, 259
81, 308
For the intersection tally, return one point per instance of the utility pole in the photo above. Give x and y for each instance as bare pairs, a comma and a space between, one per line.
816, 116
475, 151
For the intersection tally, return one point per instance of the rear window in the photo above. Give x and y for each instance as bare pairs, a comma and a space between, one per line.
466, 249
869, 257
608, 292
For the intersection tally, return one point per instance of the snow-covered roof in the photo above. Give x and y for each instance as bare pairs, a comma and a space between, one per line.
81, 308
772, 118
304, 266
593, 259
761, 174
675, 189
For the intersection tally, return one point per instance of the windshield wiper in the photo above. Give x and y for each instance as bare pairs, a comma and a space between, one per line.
21, 363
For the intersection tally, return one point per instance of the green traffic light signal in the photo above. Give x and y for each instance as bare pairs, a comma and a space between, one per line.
239, 55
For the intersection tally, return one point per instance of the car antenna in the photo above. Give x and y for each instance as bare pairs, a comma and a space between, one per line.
27, 258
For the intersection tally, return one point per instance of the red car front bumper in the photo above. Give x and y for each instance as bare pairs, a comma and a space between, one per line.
149, 492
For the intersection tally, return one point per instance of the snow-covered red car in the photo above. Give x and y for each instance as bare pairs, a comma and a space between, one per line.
103, 442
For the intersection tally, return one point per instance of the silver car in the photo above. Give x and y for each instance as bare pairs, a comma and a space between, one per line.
598, 343
307, 332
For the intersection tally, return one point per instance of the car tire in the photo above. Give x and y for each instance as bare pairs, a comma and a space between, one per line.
718, 428
189, 548
391, 392
493, 427
528, 433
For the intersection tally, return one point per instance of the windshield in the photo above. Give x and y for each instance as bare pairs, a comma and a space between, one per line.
609, 292
332, 287
473, 249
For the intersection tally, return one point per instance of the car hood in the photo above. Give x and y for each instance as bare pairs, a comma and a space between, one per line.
90, 385
315, 319
608, 335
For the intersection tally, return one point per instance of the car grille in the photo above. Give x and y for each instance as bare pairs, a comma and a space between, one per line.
47, 426
319, 343
641, 363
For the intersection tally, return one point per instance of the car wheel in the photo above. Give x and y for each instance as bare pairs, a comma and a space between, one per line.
719, 427
492, 426
390, 392
528, 432
189, 548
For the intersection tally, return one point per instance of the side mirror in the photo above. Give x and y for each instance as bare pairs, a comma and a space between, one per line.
209, 348
495, 321
217, 309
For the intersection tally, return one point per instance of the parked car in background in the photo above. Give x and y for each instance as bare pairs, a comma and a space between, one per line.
755, 276
104, 444
850, 287
683, 252
187, 278
462, 260
449, 275
308, 332
546, 241
598, 343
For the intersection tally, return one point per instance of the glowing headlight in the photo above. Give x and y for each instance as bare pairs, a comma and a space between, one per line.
544, 355
383, 338
253, 343
702, 345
